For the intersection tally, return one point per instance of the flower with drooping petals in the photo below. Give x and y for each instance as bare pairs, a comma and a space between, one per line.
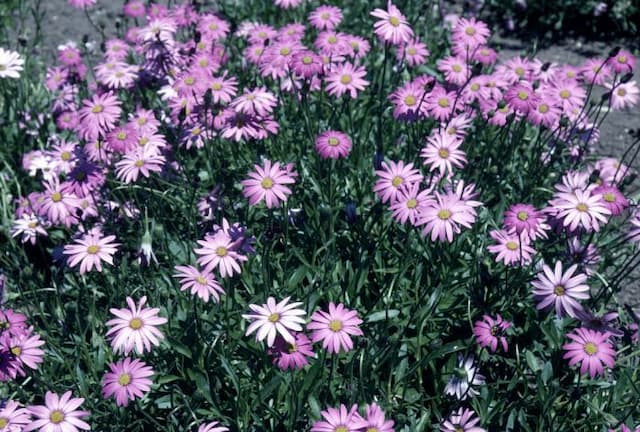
268, 183
292, 355
392, 26
464, 378
560, 289
463, 420
590, 348
272, 319
202, 283
135, 328
90, 250
58, 414
490, 331
128, 380
335, 328
338, 420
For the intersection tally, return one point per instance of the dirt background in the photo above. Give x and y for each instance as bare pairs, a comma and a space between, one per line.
62, 23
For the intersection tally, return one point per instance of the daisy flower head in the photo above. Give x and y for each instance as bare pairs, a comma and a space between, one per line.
98, 116
346, 78
470, 33
268, 183
440, 103
333, 145
335, 328
623, 95
258, 101
414, 53
127, 380
292, 355
90, 251
392, 177
622, 63
521, 97
511, 248
612, 198
13, 418
11, 64
338, 420
325, 17
561, 290
11, 322
525, 218
590, 348
141, 161
28, 227
582, 208
212, 427
59, 413
464, 378
220, 250
455, 70
443, 153
134, 329
462, 420
408, 102
201, 283
443, 217
490, 331
392, 26
25, 350
374, 420
272, 319
409, 203
287, 4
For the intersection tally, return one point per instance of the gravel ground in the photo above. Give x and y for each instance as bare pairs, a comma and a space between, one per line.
63, 23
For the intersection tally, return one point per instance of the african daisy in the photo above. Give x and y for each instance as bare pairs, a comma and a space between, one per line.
58, 414
590, 348
292, 355
90, 251
335, 328
489, 331
220, 251
13, 418
392, 26
392, 177
98, 116
127, 380
346, 78
511, 248
462, 420
333, 145
272, 319
325, 17
268, 183
560, 289
374, 420
201, 283
338, 420
135, 328
443, 216
11, 64
443, 153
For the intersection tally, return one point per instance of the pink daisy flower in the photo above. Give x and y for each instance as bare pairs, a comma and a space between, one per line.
560, 289
590, 348
292, 355
201, 283
581, 209
414, 53
595, 71
58, 414
392, 177
374, 420
455, 70
442, 218
409, 203
268, 183
98, 116
569, 93
463, 420
511, 248
335, 328
221, 251
440, 103
525, 218
127, 380
90, 251
489, 331
408, 102
13, 323
272, 319
392, 26
58, 204
338, 420
485, 55
13, 418
307, 64
28, 227
325, 17
26, 351
521, 97
624, 95
612, 198
139, 161
212, 427
258, 101
443, 153
135, 328
333, 145
546, 112
223, 89
470, 33
346, 78
623, 62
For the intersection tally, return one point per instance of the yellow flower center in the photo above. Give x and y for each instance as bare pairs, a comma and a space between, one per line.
571, 74
56, 417
511, 245
216, 86
342, 429
97, 109
65, 156
543, 108
523, 95
564, 94
333, 141
135, 324
582, 207
394, 21
622, 92
285, 51
443, 153
266, 183
397, 181
444, 214
262, 35
443, 102
519, 71
307, 60
456, 68
609, 197
558, 290
622, 59
332, 39
470, 31
458, 429
124, 379
258, 51
56, 197
325, 16
189, 80
410, 100
203, 62
221, 251
345, 79
16, 351
590, 348
213, 26
274, 318
475, 86
412, 203
93, 249
523, 216
3, 420
32, 225
335, 325
3, 67
411, 51
139, 163
121, 135
143, 141
293, 348
201, 280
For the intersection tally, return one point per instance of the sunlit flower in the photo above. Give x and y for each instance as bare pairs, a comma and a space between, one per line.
135, 328
590, 348
272, 319
560, 289
58, 414
90, 251
392, 26
127, 380
10, 64
335, 328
